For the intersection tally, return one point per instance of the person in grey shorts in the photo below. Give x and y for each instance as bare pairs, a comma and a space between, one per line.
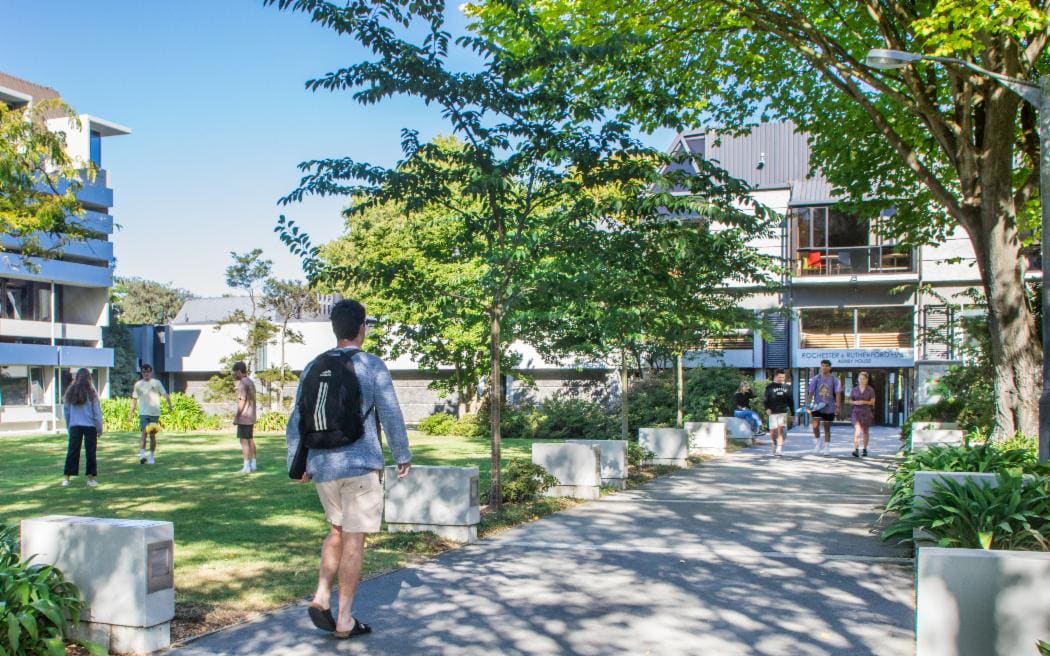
348, 477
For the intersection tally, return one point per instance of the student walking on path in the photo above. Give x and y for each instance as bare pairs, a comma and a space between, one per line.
825, 393
779, 407
862, 398
742, 407
346, 471
245, 418
83, 415
146, 395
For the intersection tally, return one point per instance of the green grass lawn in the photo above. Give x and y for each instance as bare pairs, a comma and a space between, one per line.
243, 542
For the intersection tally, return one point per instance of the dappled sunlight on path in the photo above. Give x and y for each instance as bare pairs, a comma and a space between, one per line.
746, 554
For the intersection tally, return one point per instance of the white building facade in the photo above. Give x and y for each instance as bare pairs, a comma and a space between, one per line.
848, 294
53, 309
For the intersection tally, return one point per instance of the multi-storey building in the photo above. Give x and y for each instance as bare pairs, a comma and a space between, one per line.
53, 309
848, 293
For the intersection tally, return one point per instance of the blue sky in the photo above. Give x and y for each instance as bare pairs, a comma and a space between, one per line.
213, 92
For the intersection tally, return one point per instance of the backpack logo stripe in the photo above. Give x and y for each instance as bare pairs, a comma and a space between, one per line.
320, 418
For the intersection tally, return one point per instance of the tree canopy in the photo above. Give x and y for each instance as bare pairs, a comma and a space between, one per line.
944, 147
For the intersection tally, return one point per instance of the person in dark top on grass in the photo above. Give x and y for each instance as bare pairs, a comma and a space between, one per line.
742, 407
779, 408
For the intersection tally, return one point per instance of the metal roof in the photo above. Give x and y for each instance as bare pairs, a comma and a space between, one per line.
218, 308
769, 156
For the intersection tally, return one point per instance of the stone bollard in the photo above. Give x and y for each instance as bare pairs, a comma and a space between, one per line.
613, 461
124, 569
972, 602
922, 438
670, 446
707, 438
737, 429
431, 498
576, 466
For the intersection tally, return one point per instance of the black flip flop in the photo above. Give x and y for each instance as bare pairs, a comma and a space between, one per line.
360, 628
321, 617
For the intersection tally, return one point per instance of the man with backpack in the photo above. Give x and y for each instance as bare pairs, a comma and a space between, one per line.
333, 440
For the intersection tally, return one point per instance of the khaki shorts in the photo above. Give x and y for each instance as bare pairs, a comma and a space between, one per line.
355, 503
778, 420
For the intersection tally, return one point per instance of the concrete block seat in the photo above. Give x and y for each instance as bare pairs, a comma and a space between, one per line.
576, 466
737, 429
670, 446
124, 569
613, 454
922, 438
708, 438
973, 602
440, 499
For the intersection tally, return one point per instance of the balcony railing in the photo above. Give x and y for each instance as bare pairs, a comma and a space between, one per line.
854, 260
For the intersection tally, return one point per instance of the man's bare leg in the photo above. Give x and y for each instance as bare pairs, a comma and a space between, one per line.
331, 550
349, 576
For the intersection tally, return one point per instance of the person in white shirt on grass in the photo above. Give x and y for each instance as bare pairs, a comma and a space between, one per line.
146, 395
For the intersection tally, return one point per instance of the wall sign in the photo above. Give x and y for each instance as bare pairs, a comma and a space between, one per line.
844, 358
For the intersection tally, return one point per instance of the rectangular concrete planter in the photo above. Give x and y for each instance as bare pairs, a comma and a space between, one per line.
737, 429
934, 425
670, 446
613, 455
972, 602
576, 466
443, 500
923, 438
124, 569
706, 438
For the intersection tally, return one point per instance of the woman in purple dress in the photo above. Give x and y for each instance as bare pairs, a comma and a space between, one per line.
862, 398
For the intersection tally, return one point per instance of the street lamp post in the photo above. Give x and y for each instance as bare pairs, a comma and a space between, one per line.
1038, 95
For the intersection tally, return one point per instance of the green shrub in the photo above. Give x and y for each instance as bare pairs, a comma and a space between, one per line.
651, 403
186, 414
468, 426
1015, 515
709, 393
1044, 648
525, 481
37, 605
636, 455
439, 423
115, 417
272, 422
987, 458
570, 418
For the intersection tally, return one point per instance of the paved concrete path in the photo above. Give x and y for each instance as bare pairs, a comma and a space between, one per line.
746, 554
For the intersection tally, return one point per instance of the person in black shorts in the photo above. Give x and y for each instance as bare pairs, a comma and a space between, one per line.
245, 419
825, 394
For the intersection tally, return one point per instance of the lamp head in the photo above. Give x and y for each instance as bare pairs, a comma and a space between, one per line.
890, 59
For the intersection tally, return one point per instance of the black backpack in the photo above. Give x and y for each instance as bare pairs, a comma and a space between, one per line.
330, 404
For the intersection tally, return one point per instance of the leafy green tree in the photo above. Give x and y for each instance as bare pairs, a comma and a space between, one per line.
38, 179
532, 155
420, 273
137, 301
288, 300
248, 272
945, 147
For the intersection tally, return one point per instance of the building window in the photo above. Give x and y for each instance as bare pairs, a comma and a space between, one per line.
847, 328
14, 386
25, 300
827, 241
96, 148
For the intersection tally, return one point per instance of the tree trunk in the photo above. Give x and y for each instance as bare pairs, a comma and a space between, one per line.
495, 401
1016, 351
680, 390
625, 431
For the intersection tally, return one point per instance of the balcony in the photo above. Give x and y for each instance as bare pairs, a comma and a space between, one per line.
854, 261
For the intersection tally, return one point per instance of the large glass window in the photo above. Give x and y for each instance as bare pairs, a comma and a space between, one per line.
826, 328
14, 386
845, 328
823, 227
25, 300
